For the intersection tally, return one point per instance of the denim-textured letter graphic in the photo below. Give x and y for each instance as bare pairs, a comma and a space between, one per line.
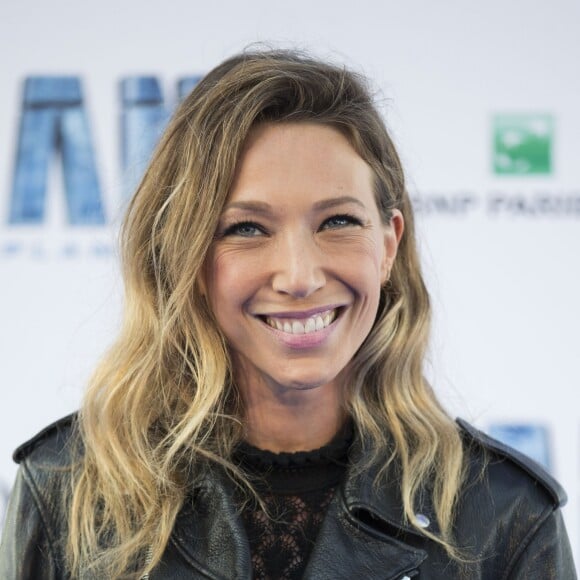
143, 119
54, 120
185, 85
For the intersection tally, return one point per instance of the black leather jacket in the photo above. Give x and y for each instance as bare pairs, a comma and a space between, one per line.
508, 522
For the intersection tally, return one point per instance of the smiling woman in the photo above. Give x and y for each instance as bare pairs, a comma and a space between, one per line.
263, 413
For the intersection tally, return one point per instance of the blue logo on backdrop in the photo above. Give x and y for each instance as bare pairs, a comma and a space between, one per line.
532, 440
54, 119
143, 119
54, 127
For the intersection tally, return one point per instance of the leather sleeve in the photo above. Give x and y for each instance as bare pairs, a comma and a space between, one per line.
547, 555
26, 550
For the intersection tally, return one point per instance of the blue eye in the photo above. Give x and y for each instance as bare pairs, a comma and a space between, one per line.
340, 221
244, 229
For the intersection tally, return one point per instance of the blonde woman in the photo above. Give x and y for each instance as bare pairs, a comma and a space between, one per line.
263, 413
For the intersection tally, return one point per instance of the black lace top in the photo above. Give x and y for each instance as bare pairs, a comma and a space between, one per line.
296, 489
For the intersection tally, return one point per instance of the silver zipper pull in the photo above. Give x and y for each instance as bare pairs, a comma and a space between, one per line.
148, 558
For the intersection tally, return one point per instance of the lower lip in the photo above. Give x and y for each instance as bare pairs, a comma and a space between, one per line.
303, 341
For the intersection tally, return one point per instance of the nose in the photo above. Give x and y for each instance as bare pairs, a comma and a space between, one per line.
298, 265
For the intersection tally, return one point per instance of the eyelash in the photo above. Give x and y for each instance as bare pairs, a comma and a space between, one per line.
235, 229
350, 219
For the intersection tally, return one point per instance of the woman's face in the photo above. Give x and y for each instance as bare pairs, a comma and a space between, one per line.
294, 274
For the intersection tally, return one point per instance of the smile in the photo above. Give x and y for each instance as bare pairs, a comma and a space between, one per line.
303, 325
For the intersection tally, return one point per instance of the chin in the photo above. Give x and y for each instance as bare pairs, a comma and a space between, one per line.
304, 383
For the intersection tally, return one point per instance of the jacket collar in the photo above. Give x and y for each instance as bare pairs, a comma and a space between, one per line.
359, 537
384, 501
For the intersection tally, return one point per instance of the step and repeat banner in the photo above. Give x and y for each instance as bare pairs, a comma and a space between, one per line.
482, 101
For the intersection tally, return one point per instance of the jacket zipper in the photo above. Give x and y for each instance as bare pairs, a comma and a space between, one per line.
148, 558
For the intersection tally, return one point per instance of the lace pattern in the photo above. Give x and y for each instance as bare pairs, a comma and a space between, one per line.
296, 489
280, 545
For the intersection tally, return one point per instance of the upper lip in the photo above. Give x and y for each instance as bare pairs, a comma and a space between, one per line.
300, 313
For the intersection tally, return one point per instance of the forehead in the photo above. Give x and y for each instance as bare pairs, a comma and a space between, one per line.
289, 159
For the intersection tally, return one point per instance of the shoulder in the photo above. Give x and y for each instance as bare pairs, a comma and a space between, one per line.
53, 444
509, 511
47, 462
503, 465
36, 528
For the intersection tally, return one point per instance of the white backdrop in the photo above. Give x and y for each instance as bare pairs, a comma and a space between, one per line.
505, 285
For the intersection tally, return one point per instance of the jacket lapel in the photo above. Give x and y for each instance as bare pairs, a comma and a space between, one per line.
384, 501
345, 548
209, 533
359, 536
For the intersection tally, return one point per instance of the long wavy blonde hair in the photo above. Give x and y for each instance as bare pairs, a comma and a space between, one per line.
162, 404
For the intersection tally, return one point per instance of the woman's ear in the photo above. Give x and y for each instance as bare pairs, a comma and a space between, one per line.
392, 234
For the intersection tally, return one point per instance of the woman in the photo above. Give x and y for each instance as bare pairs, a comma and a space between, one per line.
263, 412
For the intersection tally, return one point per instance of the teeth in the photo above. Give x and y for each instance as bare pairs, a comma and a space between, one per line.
295, 326
310, 325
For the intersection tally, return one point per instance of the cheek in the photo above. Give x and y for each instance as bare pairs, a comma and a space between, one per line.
361, 258
362, 271
220, 273
232, 279
223, 267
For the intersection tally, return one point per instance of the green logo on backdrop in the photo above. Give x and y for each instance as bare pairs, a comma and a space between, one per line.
522, 144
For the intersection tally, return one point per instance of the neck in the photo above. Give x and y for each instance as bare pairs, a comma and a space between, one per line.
293, 420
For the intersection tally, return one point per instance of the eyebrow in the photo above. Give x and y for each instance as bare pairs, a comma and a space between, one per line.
334, 201
263, 207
